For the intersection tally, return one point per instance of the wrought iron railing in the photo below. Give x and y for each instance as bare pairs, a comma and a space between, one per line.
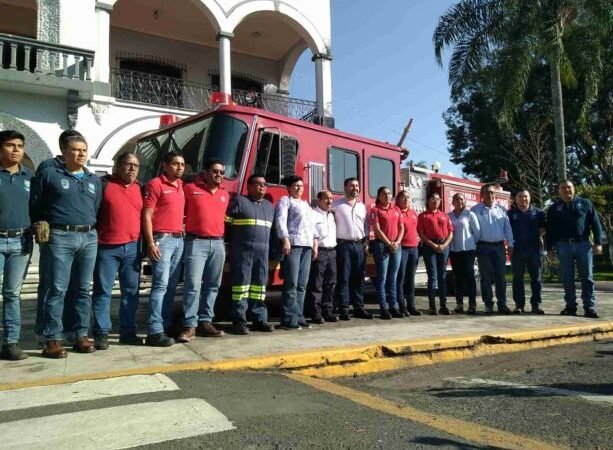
23, 54
176, 93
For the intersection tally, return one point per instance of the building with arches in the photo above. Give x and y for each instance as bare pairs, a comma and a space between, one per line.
112, 68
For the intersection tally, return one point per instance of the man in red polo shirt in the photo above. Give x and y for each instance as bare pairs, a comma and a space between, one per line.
118, 251
163, 235
206, 202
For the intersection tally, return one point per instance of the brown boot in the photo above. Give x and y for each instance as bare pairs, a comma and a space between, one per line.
187, 335
54, 350
206, 329
82, 345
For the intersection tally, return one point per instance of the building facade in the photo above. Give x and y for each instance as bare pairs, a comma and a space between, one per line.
113, 68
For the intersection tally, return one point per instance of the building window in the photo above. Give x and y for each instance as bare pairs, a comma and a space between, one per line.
380, 173
342, 164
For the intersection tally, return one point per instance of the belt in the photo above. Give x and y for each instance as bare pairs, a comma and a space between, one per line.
77, 228
326, 249
16, 232
349, 241
438, 241
571, 240
174, 235
490, 243
210, 238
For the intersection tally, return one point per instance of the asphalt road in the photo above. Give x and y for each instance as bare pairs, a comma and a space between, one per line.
561, 396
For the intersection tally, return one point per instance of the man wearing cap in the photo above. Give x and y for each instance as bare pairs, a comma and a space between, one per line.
206, 202
68, 198
570, 221
15, 238
162, 227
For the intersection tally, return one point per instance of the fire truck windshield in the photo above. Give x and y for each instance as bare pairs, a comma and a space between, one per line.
219, 137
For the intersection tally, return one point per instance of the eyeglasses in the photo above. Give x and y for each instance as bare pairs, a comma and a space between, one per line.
260, 183
217, 171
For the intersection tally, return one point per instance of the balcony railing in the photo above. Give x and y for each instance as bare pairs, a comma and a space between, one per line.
159, 90
23, 54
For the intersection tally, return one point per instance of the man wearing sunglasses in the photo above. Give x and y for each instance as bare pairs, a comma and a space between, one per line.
206, 202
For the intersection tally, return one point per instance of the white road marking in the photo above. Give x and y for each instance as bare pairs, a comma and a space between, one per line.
84, 390
597, 398
117, 427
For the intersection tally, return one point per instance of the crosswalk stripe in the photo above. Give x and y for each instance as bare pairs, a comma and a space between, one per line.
116, 427
590, 397
84, 390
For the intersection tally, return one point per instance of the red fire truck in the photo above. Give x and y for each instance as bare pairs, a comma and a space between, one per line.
250, 140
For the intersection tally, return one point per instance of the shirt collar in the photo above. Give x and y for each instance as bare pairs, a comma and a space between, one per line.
21, 171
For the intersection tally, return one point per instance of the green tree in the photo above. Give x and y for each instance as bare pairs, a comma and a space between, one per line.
566, 35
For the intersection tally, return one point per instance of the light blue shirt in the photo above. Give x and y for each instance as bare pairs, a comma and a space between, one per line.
294, 220
464, 229
494, 225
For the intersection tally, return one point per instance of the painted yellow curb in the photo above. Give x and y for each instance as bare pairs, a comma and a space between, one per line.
369, 358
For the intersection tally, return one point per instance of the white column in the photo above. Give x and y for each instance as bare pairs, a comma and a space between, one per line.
225, 72
101, 59
323, 85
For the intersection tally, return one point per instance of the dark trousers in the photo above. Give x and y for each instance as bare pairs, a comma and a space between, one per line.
351, 263
463, 266
436, 268
320, 294
492, 264
249, 267
405, 283
519, 262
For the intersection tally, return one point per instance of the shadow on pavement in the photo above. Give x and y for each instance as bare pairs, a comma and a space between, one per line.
444, 442
510, 391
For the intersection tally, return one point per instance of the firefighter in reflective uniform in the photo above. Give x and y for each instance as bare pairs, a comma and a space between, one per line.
249, 219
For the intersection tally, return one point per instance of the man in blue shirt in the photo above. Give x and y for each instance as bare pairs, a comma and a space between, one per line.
15, 237
494, 229
569, 223
68, 198
528, 225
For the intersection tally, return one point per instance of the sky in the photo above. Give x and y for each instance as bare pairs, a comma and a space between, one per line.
384, 72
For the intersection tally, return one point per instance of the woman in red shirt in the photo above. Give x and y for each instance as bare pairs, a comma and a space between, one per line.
405, 283
389, 229
436, 232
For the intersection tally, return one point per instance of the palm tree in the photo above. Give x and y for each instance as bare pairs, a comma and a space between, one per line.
519, 34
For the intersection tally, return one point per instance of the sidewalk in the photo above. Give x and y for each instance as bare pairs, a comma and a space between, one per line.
269, 350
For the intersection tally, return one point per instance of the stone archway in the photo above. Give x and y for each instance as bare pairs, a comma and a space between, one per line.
36, 148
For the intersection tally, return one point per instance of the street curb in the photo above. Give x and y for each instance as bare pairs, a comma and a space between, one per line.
370, 358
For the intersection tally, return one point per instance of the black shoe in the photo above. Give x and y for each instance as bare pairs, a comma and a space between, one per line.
432, 311
12, 352
318, 320
345, 316
414, 312
130, 339
385, 315
472, 310
362, 314
537, 310
263, 326
304, 324
568, 312
240, 328
591, 313
396, 314
159, 340
290, 327
331, 318
444, 311
504, 309
101, 341
459, 309
518, 310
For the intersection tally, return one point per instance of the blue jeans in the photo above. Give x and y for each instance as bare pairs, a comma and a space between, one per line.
15, 255
69, 250
204, 260
295, 268
519, 262
436, 268
581, 252
111, 259
492, 265
387, 265
405, 283
164, 280
351, 264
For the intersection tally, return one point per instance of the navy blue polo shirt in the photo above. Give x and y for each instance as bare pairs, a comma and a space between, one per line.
62, 198
14, 198
54, 163
573, 221
525, 226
